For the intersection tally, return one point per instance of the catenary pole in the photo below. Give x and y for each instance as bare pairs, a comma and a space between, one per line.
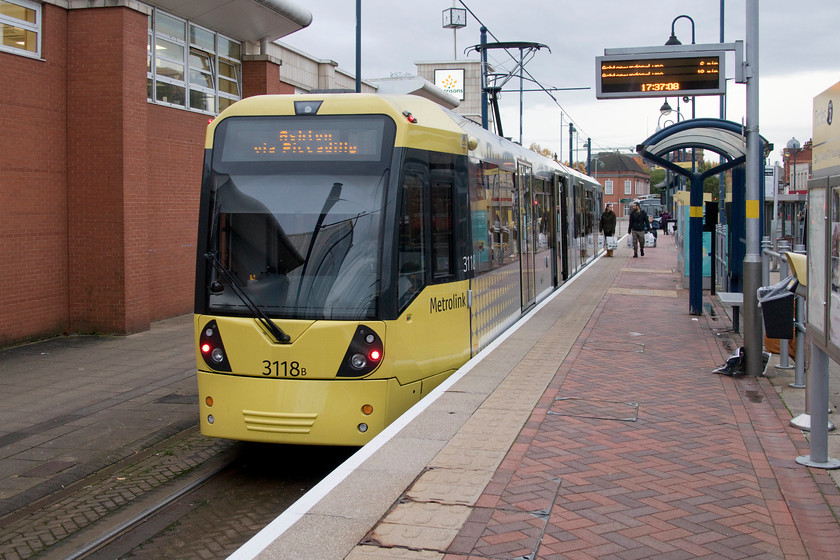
358, 46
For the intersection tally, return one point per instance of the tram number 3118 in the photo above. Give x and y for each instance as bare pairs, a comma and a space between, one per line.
469, 263
282, 369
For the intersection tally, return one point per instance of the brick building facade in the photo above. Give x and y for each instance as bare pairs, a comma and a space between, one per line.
104, 105
99, 182
624, 177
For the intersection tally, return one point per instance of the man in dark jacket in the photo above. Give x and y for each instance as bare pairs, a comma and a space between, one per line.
638, 225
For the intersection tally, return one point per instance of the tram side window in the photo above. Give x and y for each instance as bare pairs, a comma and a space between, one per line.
491, 205
442, 237
411, 235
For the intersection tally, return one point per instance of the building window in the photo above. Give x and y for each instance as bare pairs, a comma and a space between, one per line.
628, 186
191, 67
608, 186
20, 27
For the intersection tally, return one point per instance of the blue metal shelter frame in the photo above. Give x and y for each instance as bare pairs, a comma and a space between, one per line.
727, 139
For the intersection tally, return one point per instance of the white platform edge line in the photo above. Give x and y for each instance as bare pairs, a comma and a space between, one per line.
297, 510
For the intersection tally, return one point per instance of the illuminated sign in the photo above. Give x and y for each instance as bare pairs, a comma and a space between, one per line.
451, 81
302, 138
306, 142
659, 75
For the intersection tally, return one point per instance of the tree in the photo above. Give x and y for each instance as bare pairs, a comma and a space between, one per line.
534, 147
711, 184
657, 175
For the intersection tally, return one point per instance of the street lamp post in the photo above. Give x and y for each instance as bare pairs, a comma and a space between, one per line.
793, 146
665, 112
672, 40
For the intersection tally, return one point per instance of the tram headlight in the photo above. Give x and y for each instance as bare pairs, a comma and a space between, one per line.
212, 349
362, 427
365, 353
358, 361
217, 355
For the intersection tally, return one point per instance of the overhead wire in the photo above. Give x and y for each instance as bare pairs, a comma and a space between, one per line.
530, 76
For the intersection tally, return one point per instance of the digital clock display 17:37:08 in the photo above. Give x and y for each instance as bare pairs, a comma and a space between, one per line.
651, 76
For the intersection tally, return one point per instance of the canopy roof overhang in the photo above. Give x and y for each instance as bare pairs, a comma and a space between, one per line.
725, 138
243, 20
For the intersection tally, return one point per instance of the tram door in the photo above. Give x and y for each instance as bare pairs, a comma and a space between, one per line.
527, 234
543, 258
562, 224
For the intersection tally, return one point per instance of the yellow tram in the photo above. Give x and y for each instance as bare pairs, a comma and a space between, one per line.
355, 250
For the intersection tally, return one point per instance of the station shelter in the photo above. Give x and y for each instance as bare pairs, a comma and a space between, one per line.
726, 139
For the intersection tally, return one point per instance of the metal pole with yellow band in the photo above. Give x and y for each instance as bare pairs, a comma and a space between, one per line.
695, 246
753, 339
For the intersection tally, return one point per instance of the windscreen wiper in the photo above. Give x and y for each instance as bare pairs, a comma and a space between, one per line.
332, 198
258, 313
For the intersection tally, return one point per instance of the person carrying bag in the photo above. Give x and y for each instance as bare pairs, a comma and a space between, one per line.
607, 226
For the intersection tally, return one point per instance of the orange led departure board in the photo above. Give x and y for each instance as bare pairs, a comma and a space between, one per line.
659, 75
306, 142
286, 138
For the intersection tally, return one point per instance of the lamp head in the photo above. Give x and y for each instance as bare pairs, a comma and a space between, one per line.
665, 109
672, 40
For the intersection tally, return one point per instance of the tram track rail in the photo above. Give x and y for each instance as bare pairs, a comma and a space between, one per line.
115, 534
64, 521
187, 497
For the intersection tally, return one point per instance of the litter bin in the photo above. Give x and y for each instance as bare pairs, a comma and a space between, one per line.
776, 303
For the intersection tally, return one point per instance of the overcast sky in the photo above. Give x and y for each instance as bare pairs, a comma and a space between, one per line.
799, 57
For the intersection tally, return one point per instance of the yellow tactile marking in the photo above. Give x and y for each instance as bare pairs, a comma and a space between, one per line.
643, 292
648, 271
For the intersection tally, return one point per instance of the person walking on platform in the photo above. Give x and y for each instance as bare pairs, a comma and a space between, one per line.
663, 221
608, 219
638, 225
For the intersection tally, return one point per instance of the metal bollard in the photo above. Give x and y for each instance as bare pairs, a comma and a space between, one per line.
800, 335
820, 426
766, 245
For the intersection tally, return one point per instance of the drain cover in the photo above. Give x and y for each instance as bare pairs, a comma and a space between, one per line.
613, 346
591, 408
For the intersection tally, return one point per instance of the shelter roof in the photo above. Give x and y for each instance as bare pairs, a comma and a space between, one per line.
723, 137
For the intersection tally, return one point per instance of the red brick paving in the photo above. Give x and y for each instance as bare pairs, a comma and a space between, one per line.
637, 450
